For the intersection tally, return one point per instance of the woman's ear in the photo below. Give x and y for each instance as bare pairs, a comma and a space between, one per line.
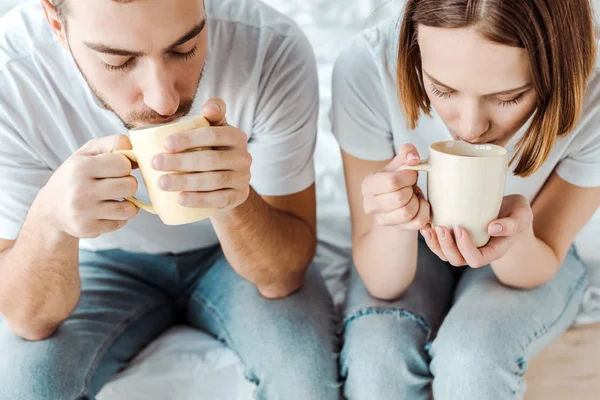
56, 22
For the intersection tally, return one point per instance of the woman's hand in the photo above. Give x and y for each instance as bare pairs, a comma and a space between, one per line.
456, 247
393, 198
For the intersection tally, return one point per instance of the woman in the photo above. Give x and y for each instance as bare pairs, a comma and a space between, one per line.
431, 314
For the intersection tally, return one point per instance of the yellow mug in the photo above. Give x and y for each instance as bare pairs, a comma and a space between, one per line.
148, 141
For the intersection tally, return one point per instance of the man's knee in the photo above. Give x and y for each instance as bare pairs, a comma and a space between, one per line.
38, 370
298, 366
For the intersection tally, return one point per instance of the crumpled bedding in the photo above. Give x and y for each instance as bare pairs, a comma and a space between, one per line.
189, 364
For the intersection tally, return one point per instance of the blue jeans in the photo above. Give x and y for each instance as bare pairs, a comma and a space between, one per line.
288, 346
457, 333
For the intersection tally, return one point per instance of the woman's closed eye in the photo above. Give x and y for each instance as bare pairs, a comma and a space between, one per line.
500, 102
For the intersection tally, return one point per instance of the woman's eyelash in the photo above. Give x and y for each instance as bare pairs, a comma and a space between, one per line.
513, 102
128, 63
501, 103
439, 93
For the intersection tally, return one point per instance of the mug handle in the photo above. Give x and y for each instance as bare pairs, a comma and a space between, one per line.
143, 206
423, 166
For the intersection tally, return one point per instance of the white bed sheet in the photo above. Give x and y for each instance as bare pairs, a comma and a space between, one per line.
189, 364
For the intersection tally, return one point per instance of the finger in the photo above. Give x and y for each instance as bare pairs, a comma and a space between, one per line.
202, 181
448, 246
389, 202
218, 136
472, 255
520, 219
109, 165
423, 217
105, 145
400, 216
202, 161
383, 182
115, 188
221, 199
433, 243
496, 248
407, 154
214, 110
115, 210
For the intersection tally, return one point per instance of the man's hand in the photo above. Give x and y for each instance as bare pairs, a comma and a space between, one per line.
80, 198
216, 178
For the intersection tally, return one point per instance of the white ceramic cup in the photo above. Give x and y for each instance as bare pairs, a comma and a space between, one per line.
465, 185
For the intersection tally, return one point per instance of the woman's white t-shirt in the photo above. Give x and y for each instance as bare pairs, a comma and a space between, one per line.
369, 123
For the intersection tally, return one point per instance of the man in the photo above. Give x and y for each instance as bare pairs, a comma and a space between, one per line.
85, 281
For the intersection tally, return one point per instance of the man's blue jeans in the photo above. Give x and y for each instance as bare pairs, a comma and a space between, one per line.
288, 346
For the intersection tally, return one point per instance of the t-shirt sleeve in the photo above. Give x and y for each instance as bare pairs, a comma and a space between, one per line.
359, 114
284, 134
581, 167
22, 175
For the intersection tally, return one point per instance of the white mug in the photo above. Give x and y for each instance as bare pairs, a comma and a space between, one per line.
465, 185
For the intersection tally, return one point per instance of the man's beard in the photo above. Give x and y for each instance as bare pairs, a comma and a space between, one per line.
134, 118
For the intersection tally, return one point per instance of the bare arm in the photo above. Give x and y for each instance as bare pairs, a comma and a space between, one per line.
384, 251
40, 284
270, 241
560, 212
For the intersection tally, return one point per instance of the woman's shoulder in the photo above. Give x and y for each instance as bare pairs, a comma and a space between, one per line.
374, 49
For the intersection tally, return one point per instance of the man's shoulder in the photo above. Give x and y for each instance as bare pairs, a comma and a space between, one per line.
250, 15
23, 30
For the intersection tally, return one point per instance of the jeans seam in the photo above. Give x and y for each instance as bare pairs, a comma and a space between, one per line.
213, 310
398, 311
109, 340
540, 333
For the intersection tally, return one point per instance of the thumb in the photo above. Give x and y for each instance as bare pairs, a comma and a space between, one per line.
407, 154
106, 144
214, 111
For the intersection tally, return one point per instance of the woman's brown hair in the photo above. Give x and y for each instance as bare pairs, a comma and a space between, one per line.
559, 36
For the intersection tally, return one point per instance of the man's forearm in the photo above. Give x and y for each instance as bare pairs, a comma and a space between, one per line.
268, 247
529, 263
40, 284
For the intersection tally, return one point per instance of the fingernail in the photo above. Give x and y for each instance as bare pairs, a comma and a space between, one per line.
440, 232
426, 234
213, 106
183, 199
458, 232
157, 162
170, 144
496, 229
412, 156
163, 182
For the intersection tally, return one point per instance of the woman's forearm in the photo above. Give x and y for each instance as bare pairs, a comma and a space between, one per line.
529, 263
386, 260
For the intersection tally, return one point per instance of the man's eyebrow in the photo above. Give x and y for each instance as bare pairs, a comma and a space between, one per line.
504, 92
195, 31
101, 48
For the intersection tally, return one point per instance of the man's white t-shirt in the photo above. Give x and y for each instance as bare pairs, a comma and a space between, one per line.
369, 123
258, 61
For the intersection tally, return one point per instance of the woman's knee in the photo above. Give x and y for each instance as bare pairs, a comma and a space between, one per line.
475, 361
384, 354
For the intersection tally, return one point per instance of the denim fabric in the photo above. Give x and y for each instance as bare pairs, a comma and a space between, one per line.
457, 333
288, 346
